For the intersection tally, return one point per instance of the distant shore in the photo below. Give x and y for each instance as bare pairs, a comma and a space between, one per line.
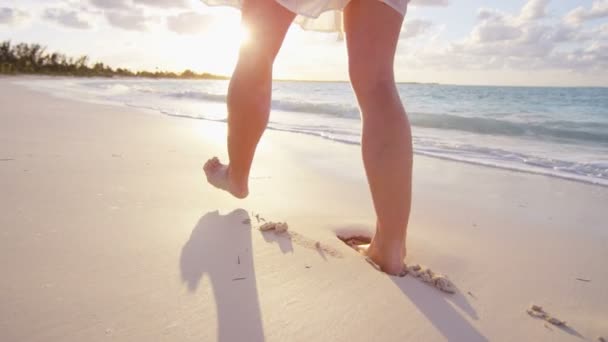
33, 59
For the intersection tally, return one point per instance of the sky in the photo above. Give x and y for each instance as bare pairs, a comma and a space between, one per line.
489, 42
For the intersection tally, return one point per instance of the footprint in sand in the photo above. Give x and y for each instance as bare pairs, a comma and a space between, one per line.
281, 229
360, 243
439, 281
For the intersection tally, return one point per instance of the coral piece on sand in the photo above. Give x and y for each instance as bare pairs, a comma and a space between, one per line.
415, 270
556, 321
427, 276
281, 227
537, 311
536, 314
267, 226
444, 284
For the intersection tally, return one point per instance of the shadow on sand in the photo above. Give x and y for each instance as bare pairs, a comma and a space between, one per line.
436, 306
439, 309
220, 247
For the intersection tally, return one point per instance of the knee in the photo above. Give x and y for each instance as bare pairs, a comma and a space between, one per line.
256, 60
253, 72
369, 79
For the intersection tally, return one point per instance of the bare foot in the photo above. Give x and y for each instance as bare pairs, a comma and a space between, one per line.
217, 175
389, 258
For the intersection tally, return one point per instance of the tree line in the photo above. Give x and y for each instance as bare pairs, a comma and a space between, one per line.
25, 58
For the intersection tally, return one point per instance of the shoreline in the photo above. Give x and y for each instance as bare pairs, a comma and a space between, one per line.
454, 156
225, 78
111, 231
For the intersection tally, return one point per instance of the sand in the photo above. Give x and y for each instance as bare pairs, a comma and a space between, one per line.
109, 232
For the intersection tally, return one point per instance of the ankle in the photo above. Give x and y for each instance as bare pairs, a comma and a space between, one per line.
239, 187
384, 242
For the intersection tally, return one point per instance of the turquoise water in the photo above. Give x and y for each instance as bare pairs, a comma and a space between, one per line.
558, 132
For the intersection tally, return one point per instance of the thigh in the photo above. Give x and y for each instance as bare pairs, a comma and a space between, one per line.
267, 22
372, 32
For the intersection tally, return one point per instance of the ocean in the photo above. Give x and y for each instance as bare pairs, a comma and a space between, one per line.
557, 132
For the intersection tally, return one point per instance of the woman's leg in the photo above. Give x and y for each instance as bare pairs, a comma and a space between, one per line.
372, 32
249, 94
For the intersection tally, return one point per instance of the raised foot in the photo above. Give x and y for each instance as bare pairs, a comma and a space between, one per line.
388, 260
218, 176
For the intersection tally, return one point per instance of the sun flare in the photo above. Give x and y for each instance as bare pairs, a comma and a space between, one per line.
221, 45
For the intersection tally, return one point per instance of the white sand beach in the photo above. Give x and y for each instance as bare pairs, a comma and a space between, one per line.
109, 232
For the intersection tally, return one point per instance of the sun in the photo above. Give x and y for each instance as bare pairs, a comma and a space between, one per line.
221, 43
229, 33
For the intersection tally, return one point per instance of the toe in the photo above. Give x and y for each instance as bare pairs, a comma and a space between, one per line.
207, 165
212, 163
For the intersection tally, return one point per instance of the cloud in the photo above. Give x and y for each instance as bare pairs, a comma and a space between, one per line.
415, 27
164, 3
599, 9
125, 4
528, 40
442, 3
68, 18
494, 26
134, 15
534, 9
489, 13
189, 22
111, 4
132, 20
12, 16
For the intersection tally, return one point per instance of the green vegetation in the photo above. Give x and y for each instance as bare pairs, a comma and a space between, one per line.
33, 59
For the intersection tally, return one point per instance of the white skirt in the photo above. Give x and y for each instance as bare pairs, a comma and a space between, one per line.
316, 15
